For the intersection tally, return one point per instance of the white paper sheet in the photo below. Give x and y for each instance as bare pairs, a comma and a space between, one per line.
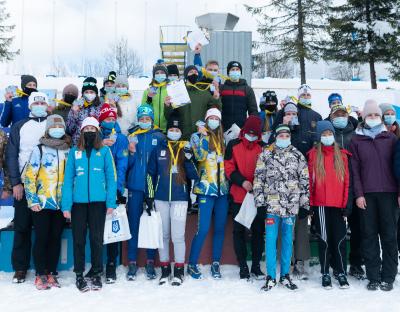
178, 93
196, 37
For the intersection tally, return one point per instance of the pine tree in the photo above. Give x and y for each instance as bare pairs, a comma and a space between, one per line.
5, 39
292, 29
363, 31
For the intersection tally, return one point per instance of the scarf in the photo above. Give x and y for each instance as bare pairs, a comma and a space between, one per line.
58, 144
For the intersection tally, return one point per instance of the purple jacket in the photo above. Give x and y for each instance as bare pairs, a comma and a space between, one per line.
372, 163
74, 120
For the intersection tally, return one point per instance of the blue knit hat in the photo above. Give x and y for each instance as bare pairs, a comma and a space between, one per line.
145, 110
323, 126
334, 97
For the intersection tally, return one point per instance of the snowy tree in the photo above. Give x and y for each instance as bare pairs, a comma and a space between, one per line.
292, 29
363, 31
346, 72
268, 64
123, 59
5, 38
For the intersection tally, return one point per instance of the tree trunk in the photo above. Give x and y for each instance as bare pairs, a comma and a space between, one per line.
372, 72
371, 58
300, 40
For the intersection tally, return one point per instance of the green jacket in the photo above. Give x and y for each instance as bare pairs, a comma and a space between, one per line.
157, 102
189, 114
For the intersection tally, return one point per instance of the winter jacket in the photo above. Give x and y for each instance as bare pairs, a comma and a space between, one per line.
75, 119
330, 192
212, 180
14, 111
343, 136
24, 136
267, 122
201, 101
281, 181
238, 100
90, 179
157, 102
128, 108
303, 135
3, 144
372, 163
161, 181
240, 163
120, 153
137, 162
45, 176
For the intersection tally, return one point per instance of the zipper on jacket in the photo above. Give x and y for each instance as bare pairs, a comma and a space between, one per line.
88, 157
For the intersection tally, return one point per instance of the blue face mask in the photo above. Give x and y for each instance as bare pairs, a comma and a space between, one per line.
306, 102
294, 121
173, 78
389, 119
340, 122
173, 135
144, 125
160, 77
250, 138
213, 123
109, 89
282, 143
121, 91
108, 125
327, 140
235, 75
56, 133
39, 110
372, 123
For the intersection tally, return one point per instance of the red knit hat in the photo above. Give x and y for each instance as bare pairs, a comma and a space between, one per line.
107, 111
252, 125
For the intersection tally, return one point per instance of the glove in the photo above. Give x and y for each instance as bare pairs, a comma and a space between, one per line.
303, 213
121, 199
150, 205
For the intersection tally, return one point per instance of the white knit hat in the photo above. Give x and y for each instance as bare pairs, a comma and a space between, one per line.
303, 89
90, 121
213, 112
37, 97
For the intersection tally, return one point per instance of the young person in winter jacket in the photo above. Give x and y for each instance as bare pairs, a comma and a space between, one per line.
17, 108
201, 101
69, 94
43, 183
156, 95
126, 106
169, 167
89, 107
212, 190
240, 162
281, 189
390, 119
268, 111
173, 72
344, 131
329, 188
335, 99
118, 144
24, 137
303, 130
238, 99
376, 193
108, 86
143, 140
88, 194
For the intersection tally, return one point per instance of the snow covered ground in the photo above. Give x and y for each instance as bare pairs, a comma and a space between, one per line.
229, 294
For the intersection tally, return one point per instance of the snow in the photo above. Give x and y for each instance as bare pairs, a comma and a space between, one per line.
229, 294
380, 28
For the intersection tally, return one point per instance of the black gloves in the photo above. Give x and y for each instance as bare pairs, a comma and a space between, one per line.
121, 199
303, 213
149, 205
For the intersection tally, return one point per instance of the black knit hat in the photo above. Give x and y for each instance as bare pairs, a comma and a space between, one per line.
159, 67
188, 69
25, 79
174, 120
90, 83
233, 64
268, 96
173, 69
110, 77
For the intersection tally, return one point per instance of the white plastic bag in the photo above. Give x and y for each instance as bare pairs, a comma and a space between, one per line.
232, 133
150, 231
247, 212
116, 228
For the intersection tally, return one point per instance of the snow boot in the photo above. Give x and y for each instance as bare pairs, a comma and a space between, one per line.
326, 282
269, 284
373, 285
287, 282
194, 271
96, 283
19, 277
179, 275
215, 270
132, 271
357, 272
111, 274
256, 272
385, 286
150, 270
343, 283
81, 283
165, 274
244, 272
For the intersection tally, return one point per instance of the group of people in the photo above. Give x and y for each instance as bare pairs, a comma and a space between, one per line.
77, 161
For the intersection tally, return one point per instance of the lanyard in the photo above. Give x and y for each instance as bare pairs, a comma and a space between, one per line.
207, 85
174, 158
62, 102
218, 150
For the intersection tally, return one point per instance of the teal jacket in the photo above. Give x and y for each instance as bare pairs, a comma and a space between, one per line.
89, 180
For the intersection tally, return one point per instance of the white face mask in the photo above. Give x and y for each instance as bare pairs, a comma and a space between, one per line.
89, 97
